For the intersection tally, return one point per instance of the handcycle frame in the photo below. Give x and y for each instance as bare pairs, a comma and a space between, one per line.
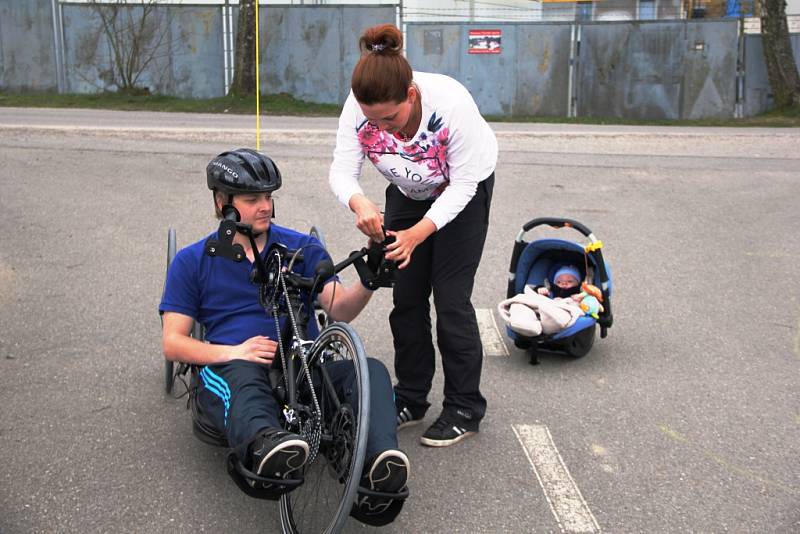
300, 360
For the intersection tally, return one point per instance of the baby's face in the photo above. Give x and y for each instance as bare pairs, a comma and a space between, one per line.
566, 281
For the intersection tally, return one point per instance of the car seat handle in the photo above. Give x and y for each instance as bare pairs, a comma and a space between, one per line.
557, 222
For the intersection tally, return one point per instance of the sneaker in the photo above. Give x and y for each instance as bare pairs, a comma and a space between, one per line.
388, 473
446, 431
277, 454
405, 417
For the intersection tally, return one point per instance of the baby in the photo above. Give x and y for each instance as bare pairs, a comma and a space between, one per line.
566, 283
539, 310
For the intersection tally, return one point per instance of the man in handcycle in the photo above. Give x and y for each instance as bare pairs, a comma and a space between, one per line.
234, 396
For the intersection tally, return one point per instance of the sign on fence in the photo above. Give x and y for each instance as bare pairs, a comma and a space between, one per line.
484, 41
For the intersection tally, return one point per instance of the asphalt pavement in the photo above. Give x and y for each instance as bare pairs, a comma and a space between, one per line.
686, 418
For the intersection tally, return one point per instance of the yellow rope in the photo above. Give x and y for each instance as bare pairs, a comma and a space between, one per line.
258, 90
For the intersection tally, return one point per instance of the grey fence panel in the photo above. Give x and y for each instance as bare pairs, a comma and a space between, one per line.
310, 53
306, 52
757, 96
87, 57
435, 48
529, 76
182, 55
709, 81
27, 46
196, 53
657, 70
757, 90
491, 78
542, 70
629, 70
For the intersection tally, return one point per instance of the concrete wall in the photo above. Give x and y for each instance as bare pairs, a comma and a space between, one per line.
27, 46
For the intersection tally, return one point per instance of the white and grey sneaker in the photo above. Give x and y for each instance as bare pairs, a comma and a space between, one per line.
445, 431
388, 473
277, 454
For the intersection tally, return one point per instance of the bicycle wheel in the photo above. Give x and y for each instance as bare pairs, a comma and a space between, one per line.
323, 502
317, 232
169, 367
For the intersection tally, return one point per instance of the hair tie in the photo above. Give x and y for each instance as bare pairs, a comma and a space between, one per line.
377, 47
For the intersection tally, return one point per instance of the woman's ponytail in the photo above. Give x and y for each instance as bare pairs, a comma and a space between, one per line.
382, 74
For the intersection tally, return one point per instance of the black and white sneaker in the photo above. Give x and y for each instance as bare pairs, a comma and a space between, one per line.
446, 431
388, 473
405, 416
277, 454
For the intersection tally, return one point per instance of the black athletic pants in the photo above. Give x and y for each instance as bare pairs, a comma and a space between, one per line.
445, 265
236, 399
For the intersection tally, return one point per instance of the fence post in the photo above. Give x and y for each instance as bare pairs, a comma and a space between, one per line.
400, 23
738, 109
225, 31
58, 44
572, 78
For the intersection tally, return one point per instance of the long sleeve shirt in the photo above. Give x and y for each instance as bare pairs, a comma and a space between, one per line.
453, 150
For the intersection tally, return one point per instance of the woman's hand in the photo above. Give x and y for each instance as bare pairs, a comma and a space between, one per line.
407, 240
368, 217
257, 349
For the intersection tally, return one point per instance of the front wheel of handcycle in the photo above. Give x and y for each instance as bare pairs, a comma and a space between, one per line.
332, 472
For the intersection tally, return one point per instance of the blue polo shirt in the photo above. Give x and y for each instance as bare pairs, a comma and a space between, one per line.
217, 292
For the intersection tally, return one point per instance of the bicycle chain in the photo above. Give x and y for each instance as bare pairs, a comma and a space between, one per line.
311, 429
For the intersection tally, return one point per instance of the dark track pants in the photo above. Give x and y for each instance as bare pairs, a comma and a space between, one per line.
444, 264
236, 399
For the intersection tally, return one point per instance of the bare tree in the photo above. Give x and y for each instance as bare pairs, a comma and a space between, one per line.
781, 64
136, 36
244, 70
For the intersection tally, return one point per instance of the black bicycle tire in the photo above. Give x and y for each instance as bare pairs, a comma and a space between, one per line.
317, 232
169, 366
336, 332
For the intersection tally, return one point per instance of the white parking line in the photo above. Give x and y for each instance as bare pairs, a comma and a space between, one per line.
563, 496
493, 344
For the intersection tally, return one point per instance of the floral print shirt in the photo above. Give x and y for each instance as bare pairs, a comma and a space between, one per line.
453, 150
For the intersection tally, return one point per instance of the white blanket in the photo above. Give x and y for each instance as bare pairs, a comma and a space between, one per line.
532, 314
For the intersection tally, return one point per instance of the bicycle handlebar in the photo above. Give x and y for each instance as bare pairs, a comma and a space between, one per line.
375, 272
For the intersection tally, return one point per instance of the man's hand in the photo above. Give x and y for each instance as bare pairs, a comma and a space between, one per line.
257, 349
368, 217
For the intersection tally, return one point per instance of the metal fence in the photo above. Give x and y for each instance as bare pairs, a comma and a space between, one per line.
633, 69
307, 51
684, 70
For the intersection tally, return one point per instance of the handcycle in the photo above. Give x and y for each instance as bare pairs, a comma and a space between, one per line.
319, 498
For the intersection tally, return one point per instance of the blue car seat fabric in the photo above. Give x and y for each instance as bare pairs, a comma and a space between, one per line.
539, 261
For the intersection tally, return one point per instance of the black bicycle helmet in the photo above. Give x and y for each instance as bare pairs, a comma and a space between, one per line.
243, 171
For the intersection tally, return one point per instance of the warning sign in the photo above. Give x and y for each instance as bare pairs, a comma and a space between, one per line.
485, 41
